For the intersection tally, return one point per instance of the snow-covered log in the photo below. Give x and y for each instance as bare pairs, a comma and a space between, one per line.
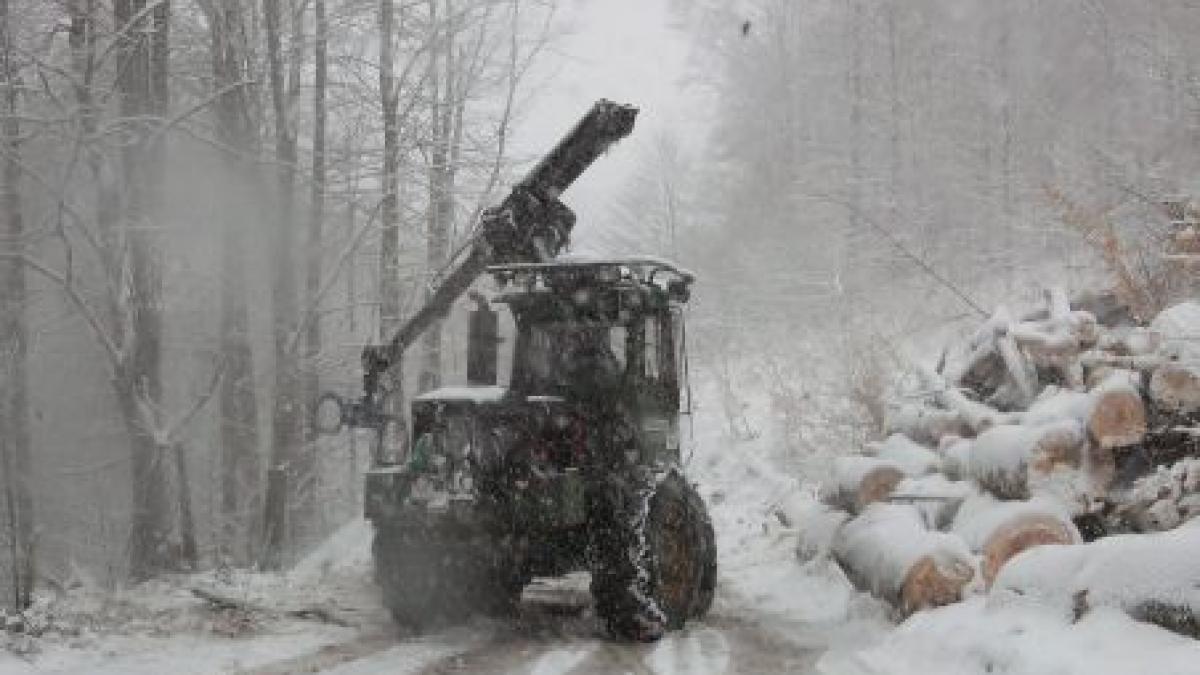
935, 497
912, 457
924, 423
974, 361
1055, 342
1152, 577
1116, 416
1112, 412
817, 530
1001, 530
1179, 326
1140, 362
977, 416
1175, 387
1002, 458
887, 551
1130, 341
1021, 386
956, 454
992, 365
1096, 375
859, 481
1162, 500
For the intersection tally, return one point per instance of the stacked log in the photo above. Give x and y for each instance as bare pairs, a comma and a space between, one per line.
1002, 530
1163, 499
1035, 432
1152, 577
888, 551
860, 481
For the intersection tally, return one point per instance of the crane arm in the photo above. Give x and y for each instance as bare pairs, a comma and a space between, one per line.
530, 225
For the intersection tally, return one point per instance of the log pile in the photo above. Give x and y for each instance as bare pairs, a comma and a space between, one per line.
1048, 428
1152, 577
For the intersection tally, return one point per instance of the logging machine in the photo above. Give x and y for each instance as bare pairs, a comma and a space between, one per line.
574, 464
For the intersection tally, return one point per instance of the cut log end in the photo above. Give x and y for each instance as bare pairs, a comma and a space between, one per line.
930, 584
1021, 534
877, 485
1059, 445
1118, 417
1176, 387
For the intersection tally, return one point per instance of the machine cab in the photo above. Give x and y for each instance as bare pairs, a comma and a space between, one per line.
604, 335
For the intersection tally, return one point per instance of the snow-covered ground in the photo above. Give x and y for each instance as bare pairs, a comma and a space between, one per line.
773, 613
975, 636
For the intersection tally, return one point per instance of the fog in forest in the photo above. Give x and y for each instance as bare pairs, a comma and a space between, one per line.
209, 207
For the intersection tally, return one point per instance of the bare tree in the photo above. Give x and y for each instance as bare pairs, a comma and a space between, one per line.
142, 85
319, 179
440, 209
14, 408
236, 131
287, 407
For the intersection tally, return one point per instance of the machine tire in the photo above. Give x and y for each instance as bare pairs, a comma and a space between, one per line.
708, 577
407, 571
430, 578
655, 561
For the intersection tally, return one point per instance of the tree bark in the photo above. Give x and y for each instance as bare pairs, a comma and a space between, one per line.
389, 246
440, 211
14, 413
239, 465
312, 280
285, 427
389, 264
142, 85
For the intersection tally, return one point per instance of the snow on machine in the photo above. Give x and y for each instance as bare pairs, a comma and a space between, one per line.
575, 463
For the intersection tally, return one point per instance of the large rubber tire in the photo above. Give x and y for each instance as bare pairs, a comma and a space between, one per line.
654, 558
430, 578
708, 574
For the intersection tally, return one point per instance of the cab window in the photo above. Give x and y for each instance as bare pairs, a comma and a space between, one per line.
653, 348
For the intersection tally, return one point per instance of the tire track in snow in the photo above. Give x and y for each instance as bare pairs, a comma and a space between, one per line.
700, 650
559, 661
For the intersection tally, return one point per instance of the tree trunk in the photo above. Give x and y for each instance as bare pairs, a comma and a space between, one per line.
286, 409
142, 85
14, 414
441, 199
389, 247
238, 462
312, 281
189, 552
389, 264
853, 255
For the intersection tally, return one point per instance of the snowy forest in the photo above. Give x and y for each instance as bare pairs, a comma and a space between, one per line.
209, 207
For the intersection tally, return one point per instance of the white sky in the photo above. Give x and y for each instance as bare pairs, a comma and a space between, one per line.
622, 50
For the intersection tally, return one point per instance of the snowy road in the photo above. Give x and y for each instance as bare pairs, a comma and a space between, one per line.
556, 634
771, 613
